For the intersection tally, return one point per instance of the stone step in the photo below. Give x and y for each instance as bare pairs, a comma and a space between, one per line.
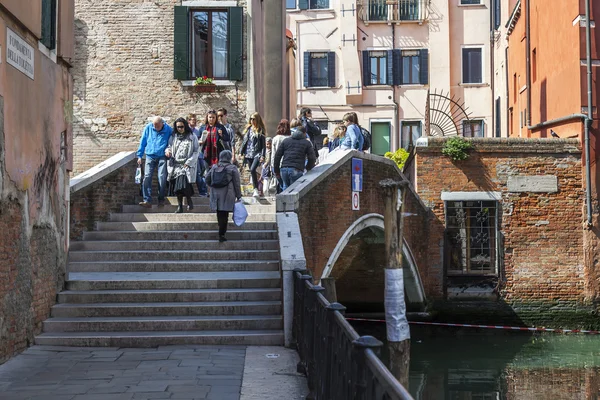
175, 266
232, 235
197, 245
248, 200
198, 209
167, 295
153, 339
172, 280
180, 226
165, 323
156, 309
168, 255
184, 217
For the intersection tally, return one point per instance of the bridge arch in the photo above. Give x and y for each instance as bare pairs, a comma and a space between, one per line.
412, 281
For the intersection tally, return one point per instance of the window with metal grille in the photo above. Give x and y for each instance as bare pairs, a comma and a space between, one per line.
378, 64
471, 237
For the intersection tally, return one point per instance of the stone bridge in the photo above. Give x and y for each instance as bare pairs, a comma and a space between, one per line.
319, 229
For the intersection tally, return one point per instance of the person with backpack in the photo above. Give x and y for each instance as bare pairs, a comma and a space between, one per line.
312, 129
224, 181
353, 139
365, 134
293, 156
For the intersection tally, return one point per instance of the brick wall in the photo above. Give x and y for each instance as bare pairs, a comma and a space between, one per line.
123, 74
544, 271
95, 202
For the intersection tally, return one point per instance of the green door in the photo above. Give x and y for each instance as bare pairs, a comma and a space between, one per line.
380, 136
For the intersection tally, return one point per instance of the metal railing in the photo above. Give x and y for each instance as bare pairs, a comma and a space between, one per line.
338, 363
393, 10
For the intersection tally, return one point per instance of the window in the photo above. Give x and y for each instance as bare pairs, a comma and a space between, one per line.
319, 69
208, 42
472, 65
473, 128
471, 237
324, 125
290, 4
498, 126
469, 2
497, 14
313, 4
396, 67
378, 67
411, 131
411, 67
49, 24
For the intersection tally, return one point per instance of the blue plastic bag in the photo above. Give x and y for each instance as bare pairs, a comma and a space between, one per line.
239, 213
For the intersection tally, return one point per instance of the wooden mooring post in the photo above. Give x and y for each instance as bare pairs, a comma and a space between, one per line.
398, 332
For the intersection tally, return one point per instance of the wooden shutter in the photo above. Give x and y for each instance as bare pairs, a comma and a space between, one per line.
366, 69
307, 73
424, 67
303, 4
397, 56
331, 68
181, 44
236, 43
498, 120
390, 67
497, 13
49, 24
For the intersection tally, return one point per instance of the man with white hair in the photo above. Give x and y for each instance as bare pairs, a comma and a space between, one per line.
155, 139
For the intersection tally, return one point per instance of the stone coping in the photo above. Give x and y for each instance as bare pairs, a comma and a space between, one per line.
101, 170
289, 199
506, 145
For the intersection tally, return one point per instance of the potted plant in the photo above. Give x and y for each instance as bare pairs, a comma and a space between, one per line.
204, 84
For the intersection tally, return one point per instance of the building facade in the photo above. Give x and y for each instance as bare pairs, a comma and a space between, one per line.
127, 70
407, 68
36, 51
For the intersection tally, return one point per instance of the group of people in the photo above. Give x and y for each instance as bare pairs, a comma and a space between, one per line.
187, 154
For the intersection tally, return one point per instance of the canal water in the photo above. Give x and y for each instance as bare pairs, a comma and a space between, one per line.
477, 364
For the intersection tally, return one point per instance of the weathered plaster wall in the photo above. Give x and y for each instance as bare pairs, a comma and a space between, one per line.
123, 74
34, 162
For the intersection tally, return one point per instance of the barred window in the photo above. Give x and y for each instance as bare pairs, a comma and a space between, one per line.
471, 237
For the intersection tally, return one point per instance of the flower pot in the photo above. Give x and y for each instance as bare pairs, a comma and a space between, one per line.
206, 88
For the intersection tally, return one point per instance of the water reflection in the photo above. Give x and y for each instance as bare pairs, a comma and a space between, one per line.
485, 365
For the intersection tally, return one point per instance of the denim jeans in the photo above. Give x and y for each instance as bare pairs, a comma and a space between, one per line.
200, 181
151, 164
289, 176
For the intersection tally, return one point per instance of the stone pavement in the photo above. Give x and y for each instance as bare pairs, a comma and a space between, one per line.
165, 372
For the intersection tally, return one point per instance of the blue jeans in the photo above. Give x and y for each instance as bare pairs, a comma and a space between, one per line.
200, 181
151, 164
289, 176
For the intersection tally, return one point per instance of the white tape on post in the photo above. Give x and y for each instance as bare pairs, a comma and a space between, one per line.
395, 307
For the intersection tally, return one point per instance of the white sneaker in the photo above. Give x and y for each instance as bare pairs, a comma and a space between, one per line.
255, 193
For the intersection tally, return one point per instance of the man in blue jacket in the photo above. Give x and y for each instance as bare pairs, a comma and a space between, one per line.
155, 139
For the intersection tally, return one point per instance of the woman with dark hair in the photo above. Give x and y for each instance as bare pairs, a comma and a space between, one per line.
214, 139
254, 147
283, 132
312, 130
182, 154
224, 180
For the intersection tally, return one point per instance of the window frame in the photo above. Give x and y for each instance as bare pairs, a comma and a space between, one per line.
467, 3
471, 122
378, 76
50, 51
410, 122
322, 59
418, 58
494, 251
307, 77
462, 65
319, 8
192, 50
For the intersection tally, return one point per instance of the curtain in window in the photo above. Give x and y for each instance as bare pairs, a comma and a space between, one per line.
219, 44
411, 131
200, 26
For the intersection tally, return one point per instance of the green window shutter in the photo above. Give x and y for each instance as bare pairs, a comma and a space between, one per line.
303, 4
236, 43
181, 44
49, 24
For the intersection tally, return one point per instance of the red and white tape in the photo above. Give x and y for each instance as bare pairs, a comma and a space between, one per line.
510, 328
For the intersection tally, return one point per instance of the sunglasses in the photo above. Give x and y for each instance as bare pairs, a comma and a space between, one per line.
252, 119
180, 126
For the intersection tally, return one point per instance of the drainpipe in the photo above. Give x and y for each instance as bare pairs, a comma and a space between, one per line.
528, 49
508, 127
590, 116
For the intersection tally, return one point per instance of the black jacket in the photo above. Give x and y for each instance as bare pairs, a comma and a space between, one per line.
260, 147
294, 151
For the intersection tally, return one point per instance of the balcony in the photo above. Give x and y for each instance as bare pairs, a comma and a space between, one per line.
393, 11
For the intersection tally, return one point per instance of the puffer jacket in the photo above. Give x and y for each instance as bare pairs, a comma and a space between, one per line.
294, 151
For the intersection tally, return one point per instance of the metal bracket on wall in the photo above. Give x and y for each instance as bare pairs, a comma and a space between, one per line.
350, 87
353, 40
344, 11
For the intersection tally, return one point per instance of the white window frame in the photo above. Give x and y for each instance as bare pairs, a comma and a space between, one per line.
462, 71
461, 4
317, 9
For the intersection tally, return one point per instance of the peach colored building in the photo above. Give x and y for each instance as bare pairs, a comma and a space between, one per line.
380, 59
36, 48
